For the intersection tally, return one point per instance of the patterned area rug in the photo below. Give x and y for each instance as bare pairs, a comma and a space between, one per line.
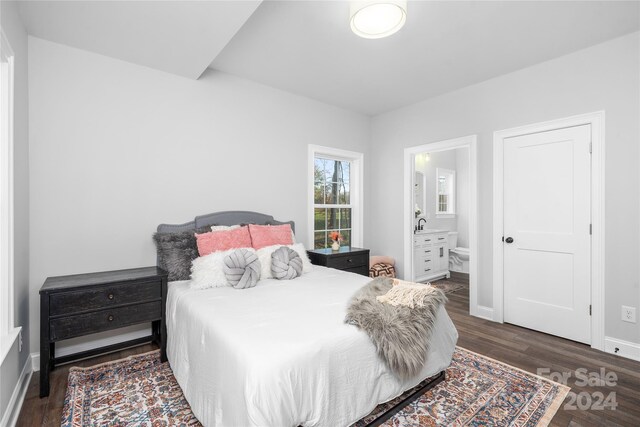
447, 286
478, 391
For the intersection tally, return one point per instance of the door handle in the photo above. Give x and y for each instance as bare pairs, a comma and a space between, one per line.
509, 240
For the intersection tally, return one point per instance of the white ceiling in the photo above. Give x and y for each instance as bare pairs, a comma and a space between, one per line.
307, 47
180, 37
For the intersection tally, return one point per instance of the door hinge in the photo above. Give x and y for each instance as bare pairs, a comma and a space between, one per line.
589, 309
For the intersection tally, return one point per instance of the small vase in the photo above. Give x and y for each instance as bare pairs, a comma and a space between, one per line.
335, 245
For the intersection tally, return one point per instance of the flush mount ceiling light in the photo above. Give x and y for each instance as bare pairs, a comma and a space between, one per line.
374, 19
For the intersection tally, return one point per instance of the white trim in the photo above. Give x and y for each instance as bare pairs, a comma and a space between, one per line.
596, 120
471, 142
6, 342
626, 349
35, 361
7, 321
357, 191
484, 312
92, 344
10, 417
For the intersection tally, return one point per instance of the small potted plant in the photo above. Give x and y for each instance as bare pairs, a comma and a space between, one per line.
337, 238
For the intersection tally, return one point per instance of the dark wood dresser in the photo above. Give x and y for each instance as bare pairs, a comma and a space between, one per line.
82, 304
347, 258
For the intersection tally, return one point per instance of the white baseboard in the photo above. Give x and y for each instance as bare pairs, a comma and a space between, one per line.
627, 349
35, 361
89, 344
10, 417
483, 312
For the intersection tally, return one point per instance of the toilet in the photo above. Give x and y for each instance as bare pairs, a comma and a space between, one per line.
458, 257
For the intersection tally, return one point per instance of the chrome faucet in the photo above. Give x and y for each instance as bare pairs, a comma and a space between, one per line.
420, 226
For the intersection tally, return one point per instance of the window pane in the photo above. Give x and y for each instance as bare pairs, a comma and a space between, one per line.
345, 218
332, 193
318, 170
318, 192
320, 240
320, 219
333, 219
329, 166
346, 171
343, 193
346, 237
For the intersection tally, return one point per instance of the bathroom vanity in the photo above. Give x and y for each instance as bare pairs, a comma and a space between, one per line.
430, 255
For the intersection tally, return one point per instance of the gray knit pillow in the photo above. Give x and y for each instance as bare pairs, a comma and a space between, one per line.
286, 264
242, 268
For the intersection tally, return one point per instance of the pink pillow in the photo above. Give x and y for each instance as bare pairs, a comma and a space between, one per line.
269, 235
215, 241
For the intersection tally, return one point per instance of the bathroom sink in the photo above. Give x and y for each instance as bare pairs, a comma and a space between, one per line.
430, 230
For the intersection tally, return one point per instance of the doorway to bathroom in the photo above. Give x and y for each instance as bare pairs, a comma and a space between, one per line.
440, 213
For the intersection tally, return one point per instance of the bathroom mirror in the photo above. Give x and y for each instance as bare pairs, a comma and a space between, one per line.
419, 194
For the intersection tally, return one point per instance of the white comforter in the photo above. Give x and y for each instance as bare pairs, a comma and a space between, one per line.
281, 355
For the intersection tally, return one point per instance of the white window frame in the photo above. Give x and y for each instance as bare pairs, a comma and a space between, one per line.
355, 189
8, 332
451, 203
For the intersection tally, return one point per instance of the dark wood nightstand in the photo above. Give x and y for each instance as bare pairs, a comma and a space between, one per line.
355, 260
82, 304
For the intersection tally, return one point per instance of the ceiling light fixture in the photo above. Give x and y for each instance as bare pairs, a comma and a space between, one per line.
374, 19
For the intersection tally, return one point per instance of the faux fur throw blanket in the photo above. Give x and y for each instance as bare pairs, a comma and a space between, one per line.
400, 333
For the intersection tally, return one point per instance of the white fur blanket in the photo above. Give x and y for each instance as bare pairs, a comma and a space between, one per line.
400, 333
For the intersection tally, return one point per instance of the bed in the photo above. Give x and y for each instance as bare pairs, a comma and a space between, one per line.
280, 354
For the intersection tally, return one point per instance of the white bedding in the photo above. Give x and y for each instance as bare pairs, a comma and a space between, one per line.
280, 354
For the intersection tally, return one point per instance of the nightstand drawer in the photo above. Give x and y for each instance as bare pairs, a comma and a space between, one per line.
101, 297
82, 324
348, 261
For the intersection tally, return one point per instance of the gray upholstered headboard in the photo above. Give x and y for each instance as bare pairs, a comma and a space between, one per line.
223, 218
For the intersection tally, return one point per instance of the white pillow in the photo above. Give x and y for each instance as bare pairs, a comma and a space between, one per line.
224, 227
264, 254
208, 271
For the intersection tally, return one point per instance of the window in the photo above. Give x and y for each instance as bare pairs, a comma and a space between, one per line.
336, 196
446, 192
6, 172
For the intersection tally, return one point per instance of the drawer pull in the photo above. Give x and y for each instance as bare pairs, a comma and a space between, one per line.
426, 252
110, 318
110, 296
440, 238
427, 260
428, 269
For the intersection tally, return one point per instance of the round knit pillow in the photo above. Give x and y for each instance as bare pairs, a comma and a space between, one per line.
242, 268
286, 264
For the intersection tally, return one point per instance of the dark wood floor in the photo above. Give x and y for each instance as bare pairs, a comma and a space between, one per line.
523, 348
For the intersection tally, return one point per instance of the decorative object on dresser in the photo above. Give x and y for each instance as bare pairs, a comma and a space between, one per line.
347, 258
83, 304
430, 255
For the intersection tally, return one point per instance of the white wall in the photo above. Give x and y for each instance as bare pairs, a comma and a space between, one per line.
15, 361
602, 77
118, 148
462, 196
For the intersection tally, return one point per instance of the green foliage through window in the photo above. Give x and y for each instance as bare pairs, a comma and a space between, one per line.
332, 200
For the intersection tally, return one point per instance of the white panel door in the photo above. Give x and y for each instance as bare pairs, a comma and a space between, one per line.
547, 280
